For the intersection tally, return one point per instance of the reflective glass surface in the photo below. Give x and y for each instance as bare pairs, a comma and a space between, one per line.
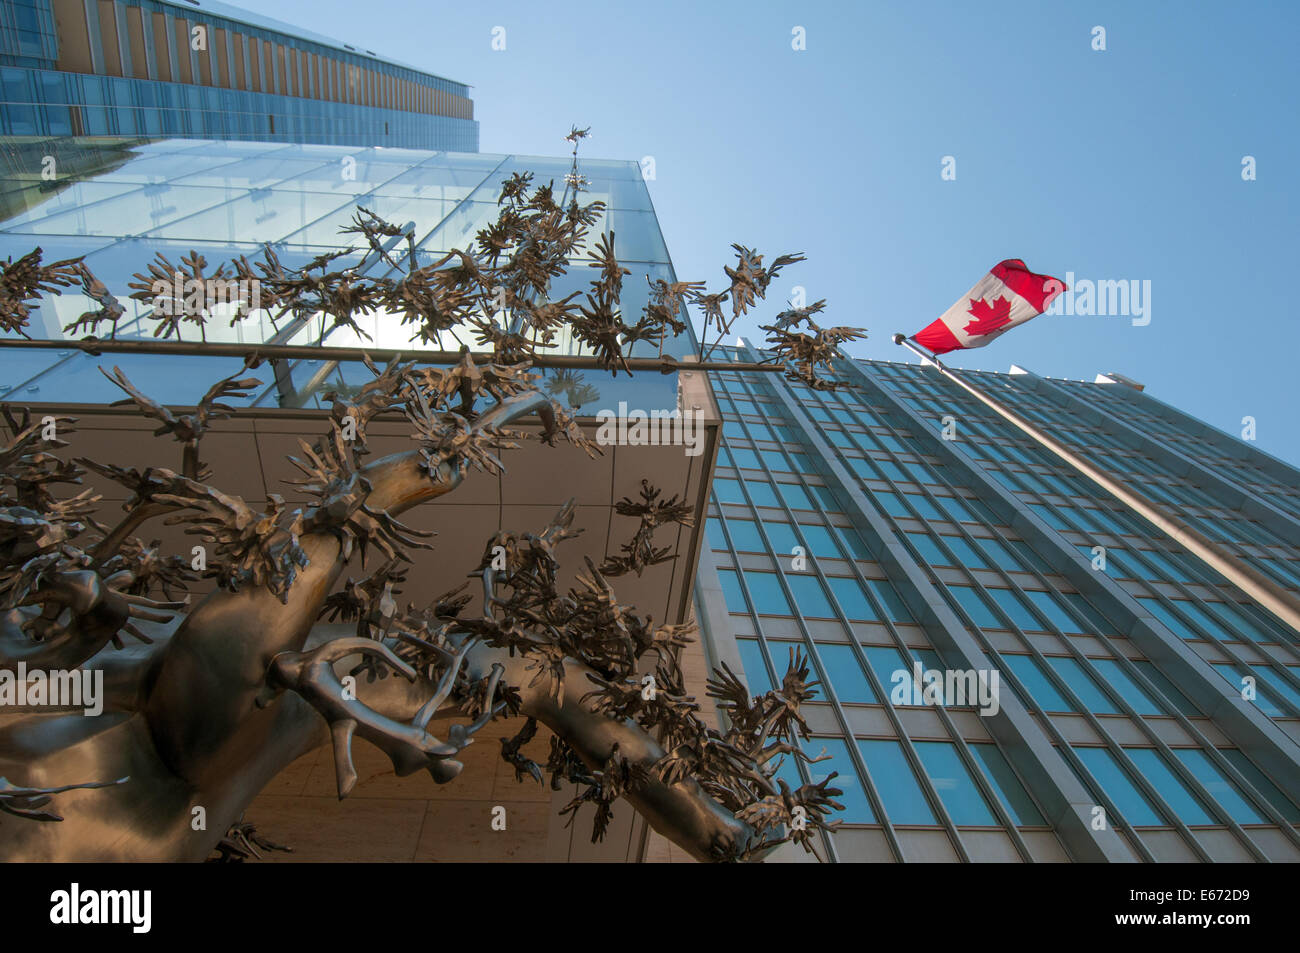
120, 203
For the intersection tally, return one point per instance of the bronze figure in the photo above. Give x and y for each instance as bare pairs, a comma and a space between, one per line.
210, 703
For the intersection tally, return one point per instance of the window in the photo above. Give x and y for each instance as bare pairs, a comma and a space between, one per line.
863, 468
1129, 690
888, 597
782, 537
734, 598
1015, 799
1165, 615
1085, 608
744, 534
1028, 556
1048, 515
1042, 693
857, 810
762, 493
1017, 611
899, 792
728, 491
966, 555
1264, 700
929, 549
1204, 620
1119, 787
890, 503
1186, 804
959, 793
845, 674
853, 542
924, 508
1261, 783
713, 533
809, 597
893, 472
966, 511
1083, 685
999, 555
794, 496
751, 657
975, 607
1046, 604
885, 662
825, 497
1168, 689
1274, 681
821, 543
1219, 787
848, 593
766, 593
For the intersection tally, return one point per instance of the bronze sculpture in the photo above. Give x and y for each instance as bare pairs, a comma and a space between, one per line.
215, 699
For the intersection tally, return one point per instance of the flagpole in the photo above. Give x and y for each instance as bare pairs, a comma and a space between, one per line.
1244, 576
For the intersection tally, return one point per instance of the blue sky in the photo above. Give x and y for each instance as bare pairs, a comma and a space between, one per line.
1122, 164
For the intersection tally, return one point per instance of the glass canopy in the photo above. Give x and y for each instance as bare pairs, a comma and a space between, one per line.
127, 201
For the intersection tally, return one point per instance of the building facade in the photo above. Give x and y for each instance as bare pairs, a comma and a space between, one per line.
152, 68
894, 528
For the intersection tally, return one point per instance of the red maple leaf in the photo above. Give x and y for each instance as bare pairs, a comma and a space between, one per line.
988, 317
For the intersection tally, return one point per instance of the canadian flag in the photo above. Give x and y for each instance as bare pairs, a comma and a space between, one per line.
1010, 294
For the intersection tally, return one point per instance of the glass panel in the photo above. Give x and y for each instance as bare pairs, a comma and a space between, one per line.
751, 657
1015, 799
1168, 689
1219, 787
1009, 603
782, 538
845, 674
1119, 787
1189, 808
887, 664
809, 596
890, 599
1128, 689
766, 593
848, 593
966, 554
975, 607
1261, 783
959, 793
821, 543
1042, 693
744, 534
735, 599
899, 792
857, 809
1081, 683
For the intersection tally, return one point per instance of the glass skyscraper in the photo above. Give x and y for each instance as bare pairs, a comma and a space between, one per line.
897, 527
148, 68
